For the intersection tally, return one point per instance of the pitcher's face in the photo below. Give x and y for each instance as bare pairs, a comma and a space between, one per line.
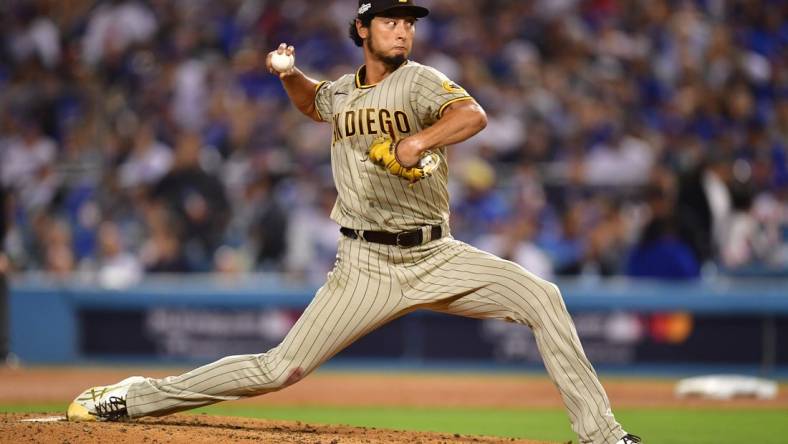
390, 39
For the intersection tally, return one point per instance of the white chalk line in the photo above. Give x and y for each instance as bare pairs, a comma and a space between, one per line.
46, 419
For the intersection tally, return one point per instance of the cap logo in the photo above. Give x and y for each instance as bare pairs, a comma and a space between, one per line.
364, 8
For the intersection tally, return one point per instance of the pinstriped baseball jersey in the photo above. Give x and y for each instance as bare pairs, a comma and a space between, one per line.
408, 100
372, 284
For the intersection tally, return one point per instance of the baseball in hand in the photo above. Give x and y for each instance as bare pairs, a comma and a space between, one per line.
429, 162
282, 62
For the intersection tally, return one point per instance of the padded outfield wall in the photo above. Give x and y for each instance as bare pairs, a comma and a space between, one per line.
722, 325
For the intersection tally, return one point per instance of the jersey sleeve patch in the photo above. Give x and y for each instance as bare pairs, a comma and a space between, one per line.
433, 92
453, 88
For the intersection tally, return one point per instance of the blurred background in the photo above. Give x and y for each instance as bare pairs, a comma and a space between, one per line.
641, 139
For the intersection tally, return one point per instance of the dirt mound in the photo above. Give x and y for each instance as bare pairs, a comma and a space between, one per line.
198, 429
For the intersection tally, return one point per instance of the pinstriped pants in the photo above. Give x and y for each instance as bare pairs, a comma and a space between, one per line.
372, 284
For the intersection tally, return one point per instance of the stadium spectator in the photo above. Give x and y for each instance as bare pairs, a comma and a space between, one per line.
113, 26
660, 252
514, 241
268, 224
28, 163
312, 239
116, 267
59, 258
587, 100
197, 198
703, 206
566, 245
148, 161
162, 250
34, 37
477, 209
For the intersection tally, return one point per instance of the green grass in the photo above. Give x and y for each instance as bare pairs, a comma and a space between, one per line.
658, 426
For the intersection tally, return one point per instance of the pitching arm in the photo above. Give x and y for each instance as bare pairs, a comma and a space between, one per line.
300, 88
460, 121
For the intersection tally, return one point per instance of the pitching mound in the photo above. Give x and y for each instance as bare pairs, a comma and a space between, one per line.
197, 429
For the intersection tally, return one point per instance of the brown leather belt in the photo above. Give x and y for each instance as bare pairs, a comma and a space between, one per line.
404, 239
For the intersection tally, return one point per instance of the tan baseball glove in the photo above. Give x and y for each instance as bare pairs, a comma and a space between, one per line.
383, 152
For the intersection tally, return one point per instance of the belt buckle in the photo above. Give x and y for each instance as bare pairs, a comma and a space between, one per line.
404, 242
399, 242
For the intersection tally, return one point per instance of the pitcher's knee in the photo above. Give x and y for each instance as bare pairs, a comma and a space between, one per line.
294, 375
553, 293
276, 373
534, 287
550, 298
533, 304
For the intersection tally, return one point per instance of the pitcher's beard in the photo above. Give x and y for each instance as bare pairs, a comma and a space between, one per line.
393, 62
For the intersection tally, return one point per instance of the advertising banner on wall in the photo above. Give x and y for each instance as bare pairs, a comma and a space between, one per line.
183, 333
608, 337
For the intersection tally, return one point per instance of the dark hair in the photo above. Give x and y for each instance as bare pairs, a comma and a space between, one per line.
353, 32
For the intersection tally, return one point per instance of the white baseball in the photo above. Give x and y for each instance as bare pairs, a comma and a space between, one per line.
429, 163
282, 62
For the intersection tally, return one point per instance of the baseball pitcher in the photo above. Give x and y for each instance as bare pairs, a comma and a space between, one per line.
392, 120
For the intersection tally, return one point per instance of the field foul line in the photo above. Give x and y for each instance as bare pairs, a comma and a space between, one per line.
46, 419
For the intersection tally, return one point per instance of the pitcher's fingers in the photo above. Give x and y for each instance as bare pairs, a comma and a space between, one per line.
268, 64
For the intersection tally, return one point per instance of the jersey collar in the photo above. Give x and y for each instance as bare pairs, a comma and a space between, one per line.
361, 73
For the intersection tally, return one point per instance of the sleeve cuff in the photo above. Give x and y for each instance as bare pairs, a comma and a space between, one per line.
446, 105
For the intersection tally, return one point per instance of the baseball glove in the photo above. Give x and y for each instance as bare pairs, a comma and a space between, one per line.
383, 152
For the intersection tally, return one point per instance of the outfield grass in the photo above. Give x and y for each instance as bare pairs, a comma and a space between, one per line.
657, 426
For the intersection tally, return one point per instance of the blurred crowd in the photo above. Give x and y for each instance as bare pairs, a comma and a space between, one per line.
645, 137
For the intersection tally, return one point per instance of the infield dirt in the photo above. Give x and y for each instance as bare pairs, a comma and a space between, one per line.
199, 429
56, 385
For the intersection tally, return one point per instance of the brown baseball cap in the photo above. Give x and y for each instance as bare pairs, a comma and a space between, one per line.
371, 8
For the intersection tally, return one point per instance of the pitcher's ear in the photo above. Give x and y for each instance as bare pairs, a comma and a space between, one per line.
363, 31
